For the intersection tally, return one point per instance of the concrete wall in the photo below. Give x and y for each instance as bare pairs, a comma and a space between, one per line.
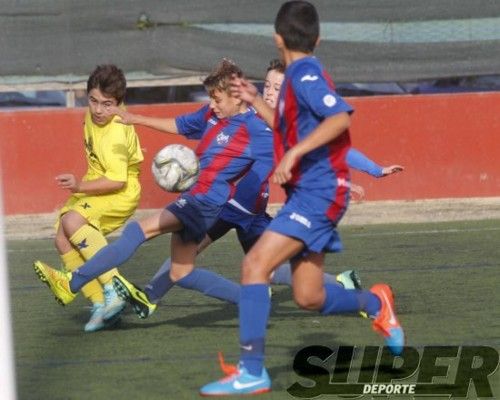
449, 144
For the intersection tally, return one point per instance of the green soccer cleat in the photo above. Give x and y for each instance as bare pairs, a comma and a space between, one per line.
135, 296
349, 279
57, 281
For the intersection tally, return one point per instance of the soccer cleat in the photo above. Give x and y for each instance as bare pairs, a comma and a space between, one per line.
96, 321
57, 281
135, 296
349, 279
114, 305
386, 322
238, 382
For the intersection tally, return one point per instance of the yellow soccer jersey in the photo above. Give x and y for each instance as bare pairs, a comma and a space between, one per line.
112, 150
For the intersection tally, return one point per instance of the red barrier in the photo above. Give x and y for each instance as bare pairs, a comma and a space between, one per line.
448, 144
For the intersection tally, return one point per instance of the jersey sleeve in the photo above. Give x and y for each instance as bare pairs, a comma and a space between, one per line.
312, 86
357, 160
193, 125
115, 155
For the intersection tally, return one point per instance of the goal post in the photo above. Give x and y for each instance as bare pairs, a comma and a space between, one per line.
7, 376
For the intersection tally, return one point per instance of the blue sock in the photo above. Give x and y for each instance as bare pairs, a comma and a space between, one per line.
369, 302
160, 284
283, 276
329, 279
342, 301
109, 257
254, 308
211, 284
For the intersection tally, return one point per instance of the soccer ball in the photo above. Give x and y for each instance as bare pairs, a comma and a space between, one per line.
175, 168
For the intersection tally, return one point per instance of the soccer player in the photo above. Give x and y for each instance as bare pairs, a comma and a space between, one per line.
105, 197
311, 128
246, 213
233, 138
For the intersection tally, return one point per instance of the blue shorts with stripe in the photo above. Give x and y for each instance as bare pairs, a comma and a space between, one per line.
305, 219
197, 216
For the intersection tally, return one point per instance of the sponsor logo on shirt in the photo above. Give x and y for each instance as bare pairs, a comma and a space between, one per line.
308, 77
222, 138
329, 100
300, 219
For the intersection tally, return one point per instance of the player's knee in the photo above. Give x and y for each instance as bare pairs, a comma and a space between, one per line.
253, 271
308, 300
71, 222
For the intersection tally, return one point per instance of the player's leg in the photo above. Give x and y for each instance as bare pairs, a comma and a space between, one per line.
283, 274
92, 291
135, 233
89, 240
200, 279
251, 378
118, 252
310, 293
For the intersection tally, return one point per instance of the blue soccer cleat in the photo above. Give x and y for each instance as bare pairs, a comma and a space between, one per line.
237, 382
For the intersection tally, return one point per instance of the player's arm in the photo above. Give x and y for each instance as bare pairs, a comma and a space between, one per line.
97, 186
357, 160
166, 125
248, 92
328, 130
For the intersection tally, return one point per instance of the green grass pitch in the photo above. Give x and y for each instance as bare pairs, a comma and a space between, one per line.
445, 277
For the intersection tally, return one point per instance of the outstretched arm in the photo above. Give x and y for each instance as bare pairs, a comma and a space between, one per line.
357, 160
166, 125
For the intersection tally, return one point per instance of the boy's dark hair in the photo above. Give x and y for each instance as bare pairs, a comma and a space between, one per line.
220, 77
297, 22
276, 65
110, 80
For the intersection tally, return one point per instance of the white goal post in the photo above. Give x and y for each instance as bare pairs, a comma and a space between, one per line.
7, 376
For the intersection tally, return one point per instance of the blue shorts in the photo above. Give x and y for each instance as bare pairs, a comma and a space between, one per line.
303, 219
248, 227
196, 216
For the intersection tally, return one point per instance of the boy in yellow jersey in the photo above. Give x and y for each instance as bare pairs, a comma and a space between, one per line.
104, 199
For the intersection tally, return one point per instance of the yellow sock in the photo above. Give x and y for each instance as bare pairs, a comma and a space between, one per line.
92, 290
89, 241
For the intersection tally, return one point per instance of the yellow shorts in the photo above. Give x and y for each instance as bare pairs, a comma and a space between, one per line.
105, 212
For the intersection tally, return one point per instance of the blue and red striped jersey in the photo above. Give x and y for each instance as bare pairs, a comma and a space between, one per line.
227, 150
307, 97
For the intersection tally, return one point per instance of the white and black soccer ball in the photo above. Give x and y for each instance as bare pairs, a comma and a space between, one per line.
175, 168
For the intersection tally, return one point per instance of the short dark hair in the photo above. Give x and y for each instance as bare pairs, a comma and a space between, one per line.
110, 80
276, 65
220, 77
297, 22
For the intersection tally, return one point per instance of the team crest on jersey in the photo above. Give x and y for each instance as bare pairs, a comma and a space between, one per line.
222, 138
329, 100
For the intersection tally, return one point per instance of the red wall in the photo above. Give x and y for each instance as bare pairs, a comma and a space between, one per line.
449, 145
